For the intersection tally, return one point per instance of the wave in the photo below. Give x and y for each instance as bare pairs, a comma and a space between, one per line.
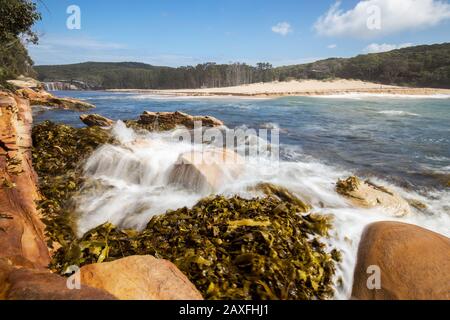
398, 113
171, 97
363, 96
129, 182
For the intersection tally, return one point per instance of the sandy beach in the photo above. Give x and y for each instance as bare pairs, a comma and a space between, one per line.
297, 88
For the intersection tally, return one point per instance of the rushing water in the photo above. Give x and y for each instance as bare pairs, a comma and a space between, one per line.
403, 143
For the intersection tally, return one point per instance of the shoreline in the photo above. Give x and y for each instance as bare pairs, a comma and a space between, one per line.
308, 88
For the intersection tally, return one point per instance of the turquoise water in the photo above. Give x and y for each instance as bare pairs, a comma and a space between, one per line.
403, 140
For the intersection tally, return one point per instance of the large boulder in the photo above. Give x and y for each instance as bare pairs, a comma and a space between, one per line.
170, 120
43, 98
24, 283
414, 263
140, 278
206, 171
92, 120
369, 195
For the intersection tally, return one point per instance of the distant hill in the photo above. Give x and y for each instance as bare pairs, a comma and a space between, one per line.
425, 66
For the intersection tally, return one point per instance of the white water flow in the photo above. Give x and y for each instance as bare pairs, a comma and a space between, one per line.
130, 182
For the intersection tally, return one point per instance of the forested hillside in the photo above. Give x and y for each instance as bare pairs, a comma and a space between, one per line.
427, 66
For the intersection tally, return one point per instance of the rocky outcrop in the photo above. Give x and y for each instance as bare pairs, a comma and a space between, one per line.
170, 120
25, 283
368, 195
140, 278
92, 120
24, 255
43, 98
206, 171
414, 263
21, 231
26, 82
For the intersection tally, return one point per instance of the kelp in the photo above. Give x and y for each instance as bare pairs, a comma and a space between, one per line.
152, 127
58, 153
230, 248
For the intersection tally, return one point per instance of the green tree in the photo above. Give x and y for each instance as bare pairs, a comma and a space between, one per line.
17, 20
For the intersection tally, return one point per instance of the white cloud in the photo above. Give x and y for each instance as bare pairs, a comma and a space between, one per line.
395, 16
376, 48
282, 28
332, 46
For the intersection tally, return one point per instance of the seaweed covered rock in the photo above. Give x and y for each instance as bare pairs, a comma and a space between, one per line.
229, 248
92, 120
368, 195
140, 278
172, 119
58, 152
282, 194
160, 121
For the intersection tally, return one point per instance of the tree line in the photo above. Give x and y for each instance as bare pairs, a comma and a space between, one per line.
129, 75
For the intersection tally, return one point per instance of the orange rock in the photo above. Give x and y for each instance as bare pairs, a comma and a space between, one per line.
140, 278
21, 231
414, 263
22, 283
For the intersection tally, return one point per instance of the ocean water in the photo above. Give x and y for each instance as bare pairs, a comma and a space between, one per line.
400, 142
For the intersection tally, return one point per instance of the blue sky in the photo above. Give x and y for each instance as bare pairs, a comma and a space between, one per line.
177, 32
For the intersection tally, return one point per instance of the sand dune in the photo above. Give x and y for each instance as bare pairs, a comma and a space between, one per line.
298, 88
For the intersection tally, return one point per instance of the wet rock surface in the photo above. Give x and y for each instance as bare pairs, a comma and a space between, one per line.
369, 195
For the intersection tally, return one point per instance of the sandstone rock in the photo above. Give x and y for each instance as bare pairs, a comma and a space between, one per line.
25, 82
206, 171
414, 263
140, 278
169, 120
43, 98
368, 195
21, 283
21, 231
96, 120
